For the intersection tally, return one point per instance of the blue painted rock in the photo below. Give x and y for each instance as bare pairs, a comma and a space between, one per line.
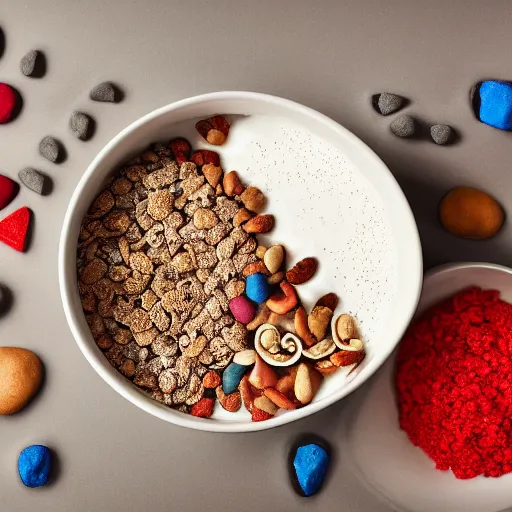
310, 465
257, 287
492, 103
231, 377
34, 465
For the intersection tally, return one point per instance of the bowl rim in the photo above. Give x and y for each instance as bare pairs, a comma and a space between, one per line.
125, 388
450, 267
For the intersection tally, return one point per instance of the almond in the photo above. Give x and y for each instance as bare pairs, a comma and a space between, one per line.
329, 300
253, 199
307, 382
318, 321
303, 271
274, 258
263, 403
302, 328
279, 399
276, 278
232, 184
241, 216
246, 393
259, 224
346, 358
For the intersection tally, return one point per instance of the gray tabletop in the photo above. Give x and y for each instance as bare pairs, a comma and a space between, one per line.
330, 55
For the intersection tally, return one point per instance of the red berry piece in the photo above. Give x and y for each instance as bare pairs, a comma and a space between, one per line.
8, 190
7, 102
13, 229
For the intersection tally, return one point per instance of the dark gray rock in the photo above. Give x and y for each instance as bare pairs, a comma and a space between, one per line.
105, 91
442, 133
403, 126
389, 103
80, 124
49, 148
32, 179
29, 61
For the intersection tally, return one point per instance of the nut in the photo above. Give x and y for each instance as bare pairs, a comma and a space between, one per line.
214, 130
181, 149
270, 341
255, 268
274, 258
345, 328
302, 328
232, 184
231, 402
241, 216
204, 156
245, 357
279, 399
325, 367
253, 199
211, 380
212, 173
276, 278
259, 319
259, 224
285, 384
263, 403
319, 320
329, 300
307, 382
260, 251
262, 375
347, 358
321, 349
281, 304
246, 393
303, 271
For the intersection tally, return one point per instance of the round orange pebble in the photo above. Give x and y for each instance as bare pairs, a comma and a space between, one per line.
467, 212
21, 374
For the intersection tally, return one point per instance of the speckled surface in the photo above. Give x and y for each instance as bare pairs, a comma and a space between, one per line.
329, 55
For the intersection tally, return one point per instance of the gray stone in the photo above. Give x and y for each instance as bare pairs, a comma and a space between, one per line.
441, 133
29, 61
103, 92
32, 179
403, 126
389, 103
79, 124
49, 147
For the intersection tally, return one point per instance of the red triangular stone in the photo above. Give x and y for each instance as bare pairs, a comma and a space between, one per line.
7, 191
13, 229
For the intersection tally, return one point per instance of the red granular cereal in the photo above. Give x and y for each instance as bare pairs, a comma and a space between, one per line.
454, 383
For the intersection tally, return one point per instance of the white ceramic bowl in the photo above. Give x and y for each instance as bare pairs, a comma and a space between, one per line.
333, 198
382, 454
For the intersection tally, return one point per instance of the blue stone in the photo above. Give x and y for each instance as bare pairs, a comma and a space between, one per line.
257, 287
34, 465
311, 462
496, 104
231, 377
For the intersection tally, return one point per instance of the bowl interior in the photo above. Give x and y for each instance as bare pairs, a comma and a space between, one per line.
383, 456
332, 198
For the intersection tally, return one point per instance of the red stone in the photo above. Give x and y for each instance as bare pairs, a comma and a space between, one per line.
13, 229
8, 190
7, 102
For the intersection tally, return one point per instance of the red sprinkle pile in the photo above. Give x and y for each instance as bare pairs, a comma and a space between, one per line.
454, 382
